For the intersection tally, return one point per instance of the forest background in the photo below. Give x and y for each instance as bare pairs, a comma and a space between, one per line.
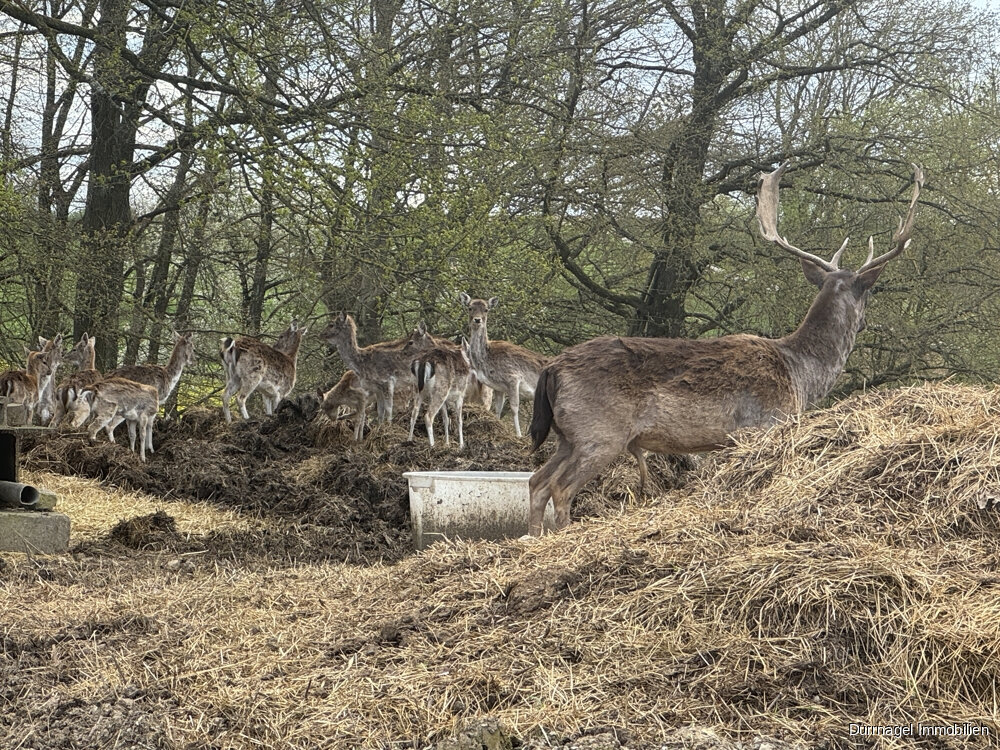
223, 167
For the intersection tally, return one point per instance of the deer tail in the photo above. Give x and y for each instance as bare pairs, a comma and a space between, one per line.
541, 419
424, 371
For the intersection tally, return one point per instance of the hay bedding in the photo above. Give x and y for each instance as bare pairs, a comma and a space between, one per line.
840, 568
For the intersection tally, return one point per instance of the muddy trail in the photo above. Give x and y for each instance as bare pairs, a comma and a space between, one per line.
335, 499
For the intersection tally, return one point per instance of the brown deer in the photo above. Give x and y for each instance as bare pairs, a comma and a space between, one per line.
163, 378
250, 364
82, 355
510, 370
24, 388
114, 400
442, 375
46, 400
611, 394
348, 393
383, 368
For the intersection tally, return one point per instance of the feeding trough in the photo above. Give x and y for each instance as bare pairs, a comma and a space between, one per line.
469, 505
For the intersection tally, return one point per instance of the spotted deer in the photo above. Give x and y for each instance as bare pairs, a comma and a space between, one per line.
383, 369
612, 394
442, 375
82, 355
510, 370
250, 364
351, 394
24, 388
114, 400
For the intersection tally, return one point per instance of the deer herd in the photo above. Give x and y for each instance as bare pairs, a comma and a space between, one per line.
602, 398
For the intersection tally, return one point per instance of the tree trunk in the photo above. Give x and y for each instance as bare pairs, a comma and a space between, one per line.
106, 216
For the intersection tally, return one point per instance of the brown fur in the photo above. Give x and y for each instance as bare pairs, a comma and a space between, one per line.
114, 400
383, 368
162, 378
510, 370
24, 388
83, 356
611, 395
250, 364
442, 376
348, 392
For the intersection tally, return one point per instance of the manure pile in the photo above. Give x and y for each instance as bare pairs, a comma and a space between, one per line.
339, 500
841, 568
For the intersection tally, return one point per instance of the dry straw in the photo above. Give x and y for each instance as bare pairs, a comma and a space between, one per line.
839, 568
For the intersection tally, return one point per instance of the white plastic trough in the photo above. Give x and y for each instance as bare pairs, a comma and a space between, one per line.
469, 505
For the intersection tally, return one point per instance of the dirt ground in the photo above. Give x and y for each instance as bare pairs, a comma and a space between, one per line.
252, 586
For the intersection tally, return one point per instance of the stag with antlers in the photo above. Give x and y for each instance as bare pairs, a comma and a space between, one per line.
610, 395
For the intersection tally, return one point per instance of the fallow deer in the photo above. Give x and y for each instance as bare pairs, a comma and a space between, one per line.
46, 401
348, 393
442, 375
163, 378
114, 400
383, 369
24, 388
611, 394
83, 356
250, 364
510, 370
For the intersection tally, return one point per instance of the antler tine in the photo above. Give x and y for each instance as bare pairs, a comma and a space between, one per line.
835, 260
871, 251
902, 236
767, 218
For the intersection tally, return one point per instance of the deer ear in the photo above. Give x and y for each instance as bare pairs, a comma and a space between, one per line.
465, 298
341, 317
814, 274
494, 301
421, 328
866, 280
84, 339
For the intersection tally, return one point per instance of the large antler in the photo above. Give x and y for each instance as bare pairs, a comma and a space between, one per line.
767, 218
902, 236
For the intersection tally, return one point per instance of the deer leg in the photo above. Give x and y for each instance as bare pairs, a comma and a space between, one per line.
414, 413
515, 406
573, 475
640, 458
539, 486
388, 406
458, 409
149, 432
227, 396
499, 399
100, 419
131, 435
446, 418
145, 430
58, 412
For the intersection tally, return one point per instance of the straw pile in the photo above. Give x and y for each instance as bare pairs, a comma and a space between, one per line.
840, 568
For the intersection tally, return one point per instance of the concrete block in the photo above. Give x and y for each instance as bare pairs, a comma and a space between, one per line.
34, 532
46, 500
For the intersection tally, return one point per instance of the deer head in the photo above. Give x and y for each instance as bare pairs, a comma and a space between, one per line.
478, 310
290, 339
845, 292
341, 326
